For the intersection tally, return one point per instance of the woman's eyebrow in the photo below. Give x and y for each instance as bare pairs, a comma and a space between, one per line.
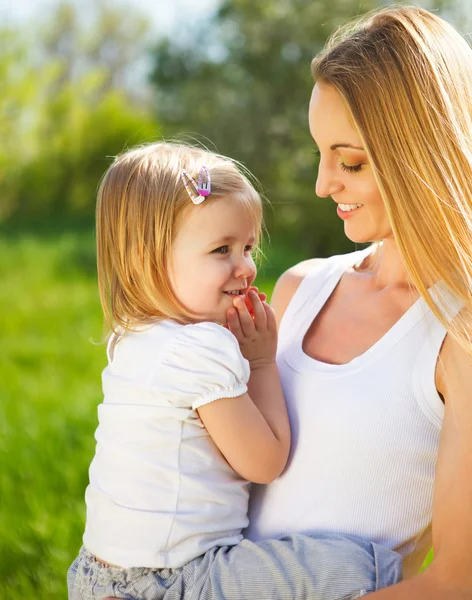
335, 146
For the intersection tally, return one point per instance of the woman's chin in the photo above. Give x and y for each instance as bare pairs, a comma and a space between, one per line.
362, 235
358, 237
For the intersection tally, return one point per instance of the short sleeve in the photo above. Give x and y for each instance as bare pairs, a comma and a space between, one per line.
202, 364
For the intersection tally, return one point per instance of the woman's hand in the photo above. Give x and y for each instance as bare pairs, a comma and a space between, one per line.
252, 322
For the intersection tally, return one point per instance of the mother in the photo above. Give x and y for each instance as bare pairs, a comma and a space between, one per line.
375, 348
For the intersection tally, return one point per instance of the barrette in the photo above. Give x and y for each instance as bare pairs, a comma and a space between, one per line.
197, 191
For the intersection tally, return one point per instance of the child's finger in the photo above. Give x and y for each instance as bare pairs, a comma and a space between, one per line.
261, 295
270, 316
245, 319
249, 305
233, 324
260, 319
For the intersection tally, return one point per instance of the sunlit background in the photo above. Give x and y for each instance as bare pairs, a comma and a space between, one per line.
80, 82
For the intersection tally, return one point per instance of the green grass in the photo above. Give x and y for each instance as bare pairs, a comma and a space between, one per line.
49, 389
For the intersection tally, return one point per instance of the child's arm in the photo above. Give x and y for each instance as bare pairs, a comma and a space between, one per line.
252, 431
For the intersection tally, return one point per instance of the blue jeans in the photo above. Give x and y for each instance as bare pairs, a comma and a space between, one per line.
296, 567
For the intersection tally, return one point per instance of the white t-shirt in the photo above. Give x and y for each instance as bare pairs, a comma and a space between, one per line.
160, 492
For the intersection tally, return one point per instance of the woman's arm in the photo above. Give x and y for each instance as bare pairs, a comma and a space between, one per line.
252, 431
450, 575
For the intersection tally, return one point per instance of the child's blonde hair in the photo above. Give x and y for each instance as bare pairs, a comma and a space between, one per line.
141, 204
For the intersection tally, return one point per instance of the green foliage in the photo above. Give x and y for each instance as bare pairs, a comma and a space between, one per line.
65, 110
75, 140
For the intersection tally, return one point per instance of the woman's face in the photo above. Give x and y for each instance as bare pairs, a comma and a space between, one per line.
344, 172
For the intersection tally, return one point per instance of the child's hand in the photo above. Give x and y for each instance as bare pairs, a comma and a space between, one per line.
262, 298
257, 334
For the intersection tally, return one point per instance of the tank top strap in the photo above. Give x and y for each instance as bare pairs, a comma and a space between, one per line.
313, 291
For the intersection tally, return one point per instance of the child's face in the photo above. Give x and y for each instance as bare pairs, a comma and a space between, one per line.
212, 256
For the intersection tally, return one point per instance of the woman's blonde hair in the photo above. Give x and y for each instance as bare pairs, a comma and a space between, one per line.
406, 78
141, 203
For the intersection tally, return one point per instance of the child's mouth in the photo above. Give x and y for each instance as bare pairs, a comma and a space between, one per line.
234, 292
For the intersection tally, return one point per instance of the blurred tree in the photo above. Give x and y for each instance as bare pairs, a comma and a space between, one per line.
67, 104
102, 35
244, 82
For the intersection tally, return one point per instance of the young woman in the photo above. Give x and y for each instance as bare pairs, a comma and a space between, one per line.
375, 350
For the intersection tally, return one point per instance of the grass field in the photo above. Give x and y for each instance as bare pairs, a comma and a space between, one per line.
50, 385
49, 389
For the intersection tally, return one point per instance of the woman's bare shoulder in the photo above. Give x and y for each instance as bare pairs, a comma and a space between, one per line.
288, 283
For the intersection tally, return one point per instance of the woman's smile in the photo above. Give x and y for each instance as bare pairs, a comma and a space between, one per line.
345, 211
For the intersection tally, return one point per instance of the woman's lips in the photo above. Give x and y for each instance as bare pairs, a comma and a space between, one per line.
347, 214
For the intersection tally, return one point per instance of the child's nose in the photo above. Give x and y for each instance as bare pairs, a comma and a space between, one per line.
245, 267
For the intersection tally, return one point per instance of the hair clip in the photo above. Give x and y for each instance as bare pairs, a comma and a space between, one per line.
204, 188
197, 192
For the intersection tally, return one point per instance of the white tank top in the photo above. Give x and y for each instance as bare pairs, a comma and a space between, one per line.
365, 434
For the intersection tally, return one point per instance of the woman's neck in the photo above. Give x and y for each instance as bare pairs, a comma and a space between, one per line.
386, 267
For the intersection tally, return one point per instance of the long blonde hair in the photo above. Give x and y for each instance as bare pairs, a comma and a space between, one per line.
141, 203
406, 78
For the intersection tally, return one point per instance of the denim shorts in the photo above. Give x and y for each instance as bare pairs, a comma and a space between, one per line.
296, 567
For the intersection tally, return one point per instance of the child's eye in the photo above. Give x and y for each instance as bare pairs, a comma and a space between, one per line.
221, 250
249, 248
353, 169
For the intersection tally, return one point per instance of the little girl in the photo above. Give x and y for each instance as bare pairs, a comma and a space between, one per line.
193, 411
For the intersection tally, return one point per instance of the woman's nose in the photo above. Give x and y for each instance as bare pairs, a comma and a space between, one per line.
327, 182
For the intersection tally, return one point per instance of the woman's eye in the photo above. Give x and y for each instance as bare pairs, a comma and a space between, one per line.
353, 169
221, 250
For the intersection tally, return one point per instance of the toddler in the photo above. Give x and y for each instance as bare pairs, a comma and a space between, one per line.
193, 408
